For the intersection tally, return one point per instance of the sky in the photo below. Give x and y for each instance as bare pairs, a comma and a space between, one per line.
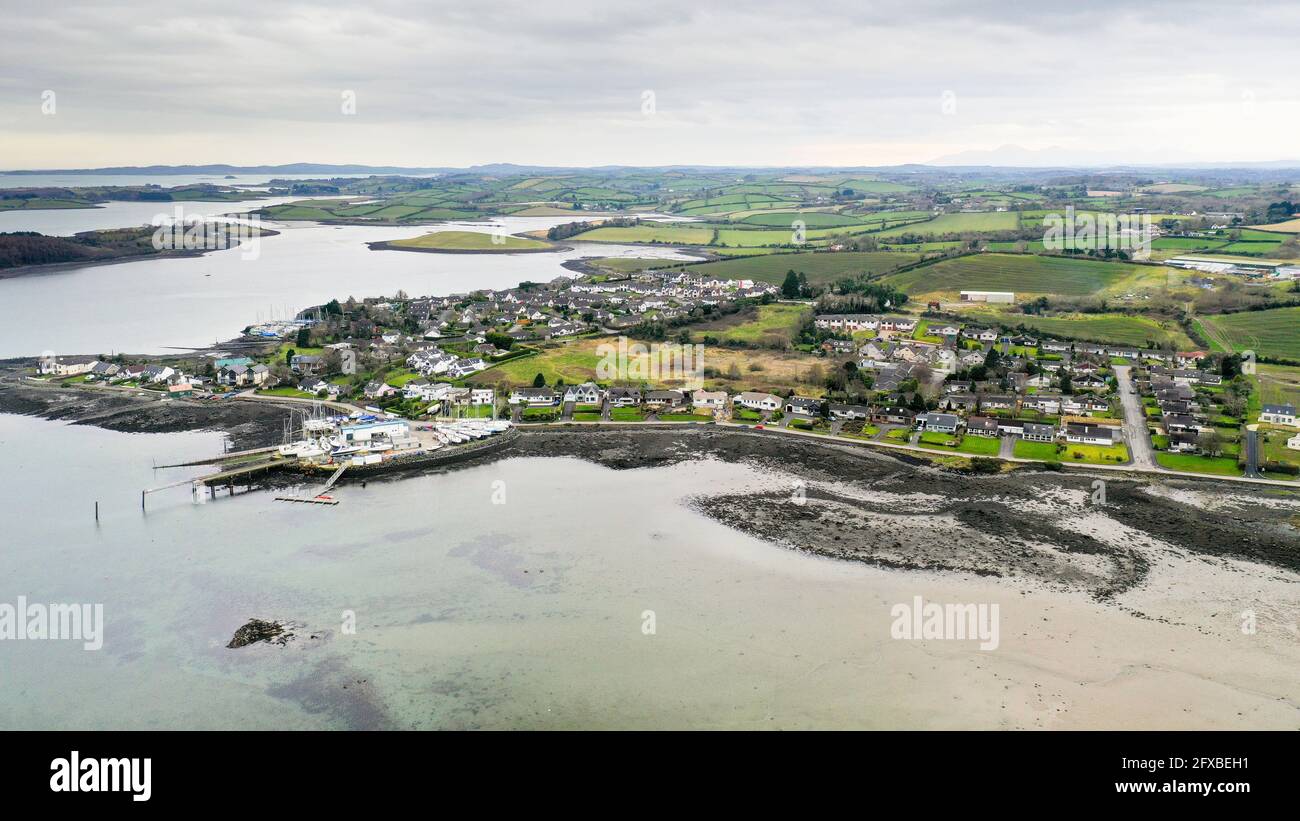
578, 83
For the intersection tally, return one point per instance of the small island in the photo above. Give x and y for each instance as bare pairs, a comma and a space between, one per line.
468, 242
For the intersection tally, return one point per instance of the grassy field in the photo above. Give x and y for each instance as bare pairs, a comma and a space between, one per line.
1273, 333
770, 322
1020, 273
575, 362
472, 241
822, 268
972, 223
1278, 385
1289, 227
1120, 329
980, 445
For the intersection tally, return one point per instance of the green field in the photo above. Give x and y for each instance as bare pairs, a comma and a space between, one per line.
820, 268
1020, 273
776, 321
472, 241
1120, 329
972, 223
1273, 333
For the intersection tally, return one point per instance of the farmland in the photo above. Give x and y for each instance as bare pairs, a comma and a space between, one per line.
819, 268
1020, 273
1273, 333
1121, 329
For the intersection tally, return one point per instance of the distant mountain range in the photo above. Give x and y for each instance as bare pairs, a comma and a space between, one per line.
1007, 157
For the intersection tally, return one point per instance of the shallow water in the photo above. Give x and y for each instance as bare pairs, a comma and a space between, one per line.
535, 612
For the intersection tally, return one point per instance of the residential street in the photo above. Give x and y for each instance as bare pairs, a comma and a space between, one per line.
1135, 424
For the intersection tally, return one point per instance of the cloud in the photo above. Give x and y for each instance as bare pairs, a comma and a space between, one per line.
757, 83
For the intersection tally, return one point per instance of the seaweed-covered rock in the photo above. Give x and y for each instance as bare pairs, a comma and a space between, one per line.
257, 630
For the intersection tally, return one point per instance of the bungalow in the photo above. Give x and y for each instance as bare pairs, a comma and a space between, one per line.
839, 346
542, 397
1184, 442
588, 393
180, 390
156, 373
1012, 427
665, 399
624, 397
1278, 415
709, 399
104, 370
1036, 432
982, 426
803, 406
1181, 424
1043, 403
1083, 405
958, 401
997, 403
757, 401
843, 411
1052, 346
1091, 434
892, 414
482, 396
939, 422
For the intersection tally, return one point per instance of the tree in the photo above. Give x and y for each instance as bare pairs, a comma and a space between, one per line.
289, 355
790, 287
304, 337
1210, 442
539, 381
1067, 387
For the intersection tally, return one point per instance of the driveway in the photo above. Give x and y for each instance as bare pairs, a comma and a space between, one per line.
1135, 421
1252, 453
1007, 449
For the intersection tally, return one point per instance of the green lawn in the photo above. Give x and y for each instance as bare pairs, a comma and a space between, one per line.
1042, 451
1199, 464
980, 445
1095, 454
684, 417
626, 415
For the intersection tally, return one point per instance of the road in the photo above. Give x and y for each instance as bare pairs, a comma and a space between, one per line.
1135, 421
1252, 453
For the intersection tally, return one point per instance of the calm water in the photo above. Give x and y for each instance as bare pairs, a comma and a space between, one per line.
469, 613
149, 306
68, 221
165, 180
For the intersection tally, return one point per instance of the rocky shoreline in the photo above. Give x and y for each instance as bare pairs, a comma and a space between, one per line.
839, 500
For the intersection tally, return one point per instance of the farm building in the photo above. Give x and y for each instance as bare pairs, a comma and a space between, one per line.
988, 296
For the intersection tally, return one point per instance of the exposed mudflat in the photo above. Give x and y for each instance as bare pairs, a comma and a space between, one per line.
249, 424
847, 502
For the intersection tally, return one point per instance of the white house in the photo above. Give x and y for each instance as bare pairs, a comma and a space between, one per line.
709, 399
757, 401
1294, 442
588, 393
1278, 415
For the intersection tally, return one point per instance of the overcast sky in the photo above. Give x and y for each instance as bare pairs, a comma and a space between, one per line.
570, 83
